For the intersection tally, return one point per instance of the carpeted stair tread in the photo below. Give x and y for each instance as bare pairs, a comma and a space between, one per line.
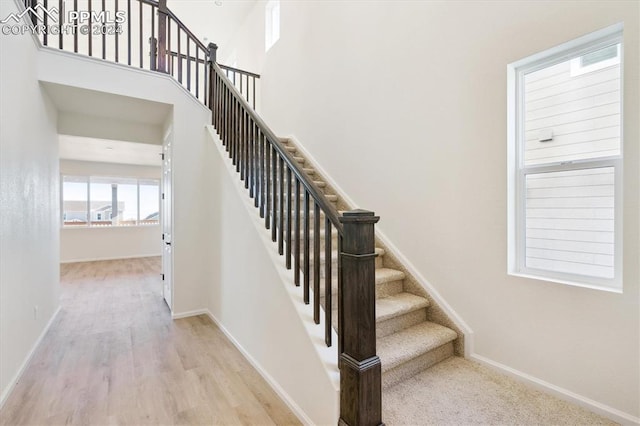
384, 275
412, 342
398, 304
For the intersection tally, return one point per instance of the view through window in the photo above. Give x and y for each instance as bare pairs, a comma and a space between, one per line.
110, 201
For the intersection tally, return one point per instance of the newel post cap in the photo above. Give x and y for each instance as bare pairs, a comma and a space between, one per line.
360, 216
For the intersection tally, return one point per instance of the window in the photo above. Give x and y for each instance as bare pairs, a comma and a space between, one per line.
565, 157
104, 201
272, 23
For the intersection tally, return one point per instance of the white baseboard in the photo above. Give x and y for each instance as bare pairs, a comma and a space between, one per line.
97, 259
274, 385
7, 391
188, 314
295, 408
564, 394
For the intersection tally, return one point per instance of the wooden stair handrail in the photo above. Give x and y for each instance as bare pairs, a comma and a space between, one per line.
313, 189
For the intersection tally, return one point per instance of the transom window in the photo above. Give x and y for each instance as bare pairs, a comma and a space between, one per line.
565, 156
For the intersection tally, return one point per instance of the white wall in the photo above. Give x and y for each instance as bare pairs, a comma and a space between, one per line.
261, 308
192, 245
81, 244
404, 104
29, 245
70, 123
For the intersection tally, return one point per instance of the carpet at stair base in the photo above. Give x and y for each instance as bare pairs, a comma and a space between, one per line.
461, 392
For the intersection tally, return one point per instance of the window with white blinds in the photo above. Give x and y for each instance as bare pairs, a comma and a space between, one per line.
565, 152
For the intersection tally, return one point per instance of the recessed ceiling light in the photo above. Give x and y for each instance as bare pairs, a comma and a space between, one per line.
218, 2
110, 148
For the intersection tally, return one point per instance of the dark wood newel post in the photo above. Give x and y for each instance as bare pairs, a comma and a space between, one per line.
360, 369
153, 53
213, 52
162, 36
213, 87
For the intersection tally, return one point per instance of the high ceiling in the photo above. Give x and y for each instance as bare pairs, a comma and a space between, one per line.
208, 20
109, 151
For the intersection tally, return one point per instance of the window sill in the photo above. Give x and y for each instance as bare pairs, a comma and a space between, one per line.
109, 227
566, 282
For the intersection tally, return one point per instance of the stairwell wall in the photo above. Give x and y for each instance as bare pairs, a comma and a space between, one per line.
404, 105
192, 245
29, 212
254, 300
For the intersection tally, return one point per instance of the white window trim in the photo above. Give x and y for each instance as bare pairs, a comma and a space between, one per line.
516, 171
89, 226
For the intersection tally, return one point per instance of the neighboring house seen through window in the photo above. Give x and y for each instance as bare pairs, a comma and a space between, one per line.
565, 157
105, 201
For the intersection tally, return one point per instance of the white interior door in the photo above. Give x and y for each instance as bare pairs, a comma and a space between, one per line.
167, 222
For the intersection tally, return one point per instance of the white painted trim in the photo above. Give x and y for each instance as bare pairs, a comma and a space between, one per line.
97, 259
7, 391
188, 314
457, 319
302, 416
564, 394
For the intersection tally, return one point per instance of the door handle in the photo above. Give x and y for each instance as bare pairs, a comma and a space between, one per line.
167, 243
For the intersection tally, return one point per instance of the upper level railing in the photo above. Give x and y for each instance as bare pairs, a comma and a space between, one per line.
139, 33
305, 225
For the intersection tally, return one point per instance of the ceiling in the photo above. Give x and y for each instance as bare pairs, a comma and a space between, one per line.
207, 20
107, 105
109, 151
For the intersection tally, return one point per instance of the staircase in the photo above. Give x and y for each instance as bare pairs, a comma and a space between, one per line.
407, 341
388, 327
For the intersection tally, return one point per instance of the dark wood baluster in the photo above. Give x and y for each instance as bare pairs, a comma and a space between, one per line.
236, 132
241, 84
140, 35
289, 215
76, 28
61, 18
263, 189
198, 74
274, 179
247, 151
117, 33
179, 58
316, 263
296, 253
104, 35
340, 305
169, 51
46, 21
225, 116
257, 169
281, 205
188, 63
90, 32
253, 81
268, 183
229, 117
327, 281
243, 144
128, 32
306, 264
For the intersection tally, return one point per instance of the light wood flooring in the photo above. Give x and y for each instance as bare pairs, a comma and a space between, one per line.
114, 356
